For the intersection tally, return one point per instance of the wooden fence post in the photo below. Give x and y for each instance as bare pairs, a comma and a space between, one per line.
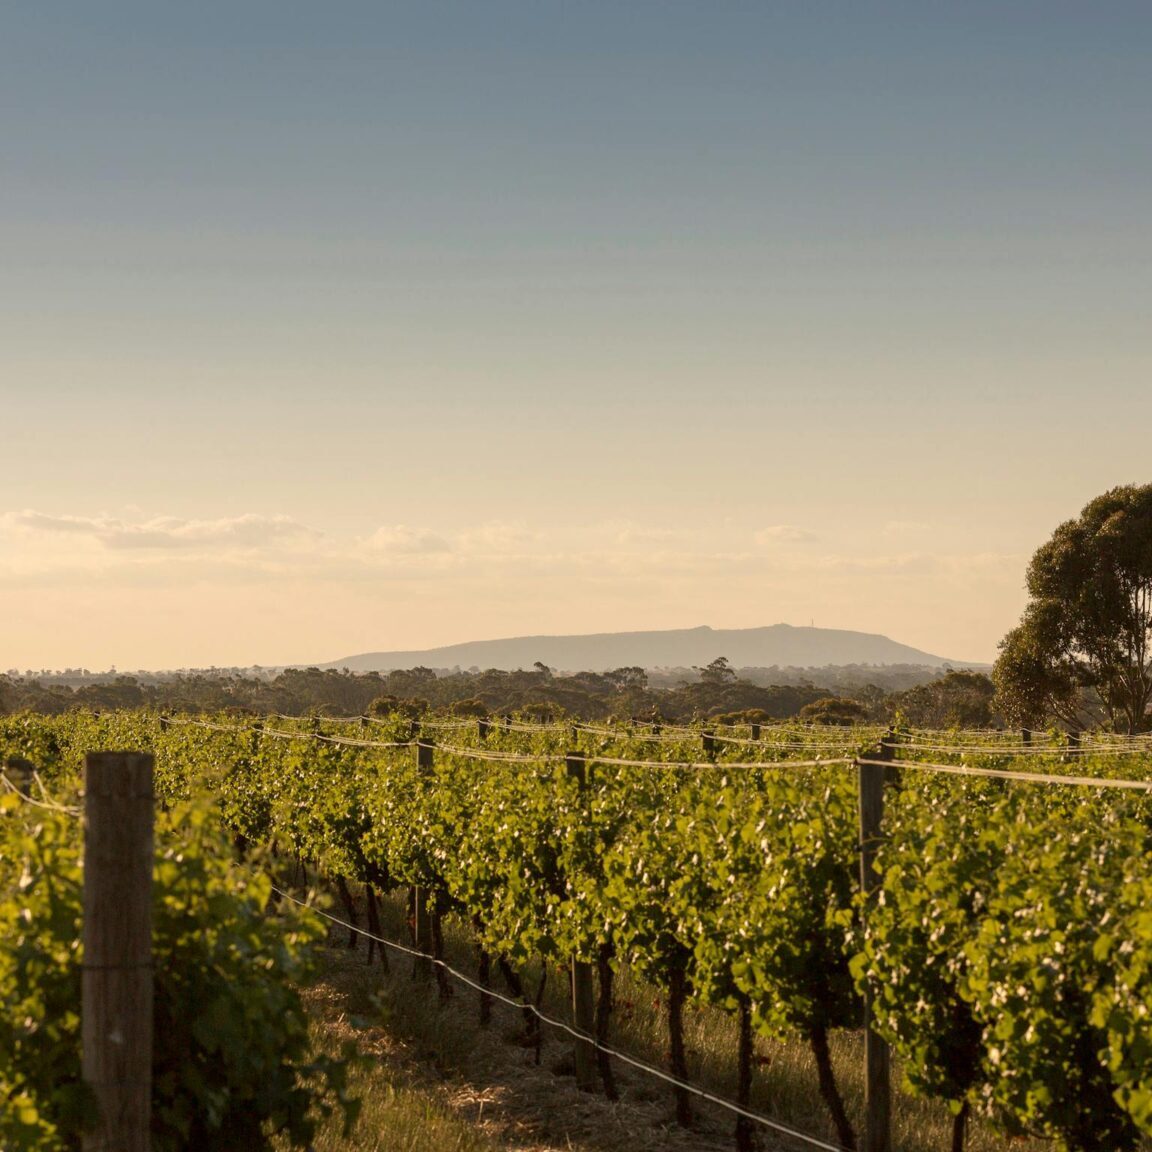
116, 971
422, 920
708, 742
583, 995
877, 1092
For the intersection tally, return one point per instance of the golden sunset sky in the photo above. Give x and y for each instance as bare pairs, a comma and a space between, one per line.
346, 327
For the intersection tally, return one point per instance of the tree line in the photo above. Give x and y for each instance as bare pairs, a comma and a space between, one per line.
949, 699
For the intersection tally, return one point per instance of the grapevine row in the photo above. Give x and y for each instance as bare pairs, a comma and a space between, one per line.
1007, 949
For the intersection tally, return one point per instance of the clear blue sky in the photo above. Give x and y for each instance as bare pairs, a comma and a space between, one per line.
335, 327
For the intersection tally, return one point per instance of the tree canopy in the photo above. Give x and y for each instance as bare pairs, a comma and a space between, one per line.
1081, 652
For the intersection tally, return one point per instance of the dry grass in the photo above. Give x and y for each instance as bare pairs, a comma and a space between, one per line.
437, 1080
403, 1109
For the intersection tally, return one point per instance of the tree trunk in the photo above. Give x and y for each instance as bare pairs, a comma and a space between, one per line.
538, 1030
442, 983
516, 987
350, 908
604, 1018
485, 982
375, 929
373, 924
745, 1140
677, 994
960, 1128
818, 1039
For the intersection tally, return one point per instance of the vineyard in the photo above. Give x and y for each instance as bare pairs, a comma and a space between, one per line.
998, 936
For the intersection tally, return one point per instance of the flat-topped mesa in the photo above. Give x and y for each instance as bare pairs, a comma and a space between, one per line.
778, 644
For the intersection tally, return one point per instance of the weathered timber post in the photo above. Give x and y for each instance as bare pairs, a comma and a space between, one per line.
482, 726
1026, 736
422, 920
708, 740
583, 995
877, 1092
116, 972
755, 731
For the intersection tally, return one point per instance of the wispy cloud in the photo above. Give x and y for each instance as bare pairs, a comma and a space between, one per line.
245, 532
783, 534
497, 537
629, 533
275, 543
399, 539
494, 574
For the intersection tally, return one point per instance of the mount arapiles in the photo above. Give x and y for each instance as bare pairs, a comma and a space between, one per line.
779, 645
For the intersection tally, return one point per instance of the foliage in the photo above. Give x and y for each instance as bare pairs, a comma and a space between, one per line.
628, 691
1033, 684
1037, 963
935, 865
1008, 948
719, 671
959, 699
1088, 624
834, 710
42, 1099
231, 1058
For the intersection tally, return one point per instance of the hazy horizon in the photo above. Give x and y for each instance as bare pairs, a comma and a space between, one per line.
332, 329
719, 647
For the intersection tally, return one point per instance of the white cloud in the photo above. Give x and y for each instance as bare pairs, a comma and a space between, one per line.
40, 522
246, 532
783, 534
628, 533
236, 533
497, 537
399, 539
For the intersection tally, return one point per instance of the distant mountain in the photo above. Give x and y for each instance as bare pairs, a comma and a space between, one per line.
779, 644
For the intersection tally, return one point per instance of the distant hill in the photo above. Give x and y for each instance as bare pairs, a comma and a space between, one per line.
778, 644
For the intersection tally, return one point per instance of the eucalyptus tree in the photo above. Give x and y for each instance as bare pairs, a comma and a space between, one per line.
1085, 639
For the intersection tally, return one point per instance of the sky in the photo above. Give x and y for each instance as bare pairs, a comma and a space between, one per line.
337, 328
